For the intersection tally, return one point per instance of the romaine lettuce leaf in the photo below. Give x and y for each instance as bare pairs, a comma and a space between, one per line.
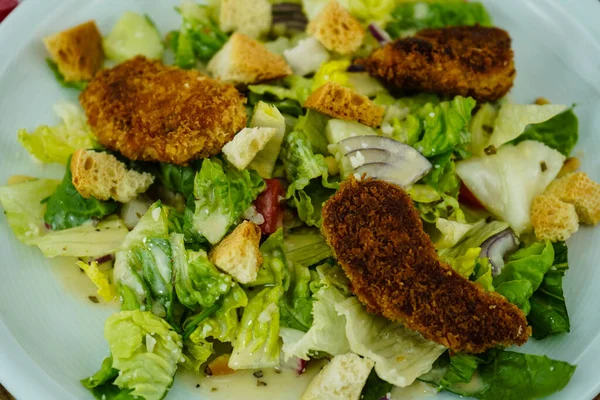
133, 35
268, 116
145, 350
313, 124
548, 315
222, 326
327, 333
274, 269
465, 265
306, 246
308, 202
375, 388
105, 290
409, 17
222, 194
479, 233
24, 208
400, 355
66, 208
56, 143
256, 344
507, 182
178, 178
524, 272
294, 88
364, 10
559, 132
295, 307
197, 281
445, 125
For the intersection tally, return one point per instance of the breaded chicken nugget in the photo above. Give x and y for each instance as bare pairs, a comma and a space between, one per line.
151, 112
467, 61
378, 238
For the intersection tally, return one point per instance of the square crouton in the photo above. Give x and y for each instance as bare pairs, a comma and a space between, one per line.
336, 29
342, 379
246, 144
341, 102
102, 176
553, 219
578, 189
77, 51
244, 61
239, 254
249, 17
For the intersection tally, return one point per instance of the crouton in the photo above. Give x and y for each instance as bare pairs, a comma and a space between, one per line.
336, 29
578, 189
77, 51
102, 176
246, 145
342, 379
553, 219
238, 254
249, 17
243, 61
341, 102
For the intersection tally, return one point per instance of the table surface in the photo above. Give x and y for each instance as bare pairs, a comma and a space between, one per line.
586, 18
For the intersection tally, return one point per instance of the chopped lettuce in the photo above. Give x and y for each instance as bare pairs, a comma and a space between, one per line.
222, 326
483, 274
400, 355
24, 207
364, 10
409, 17
309, 202
145, 352
443, 177
327, 333
375, 388
501, 374
548, 315
274, 269
313, 124
306, 246
256, 344
559, 132
56, 143
295, 307
507, 182
452, 232
199, 37
479, 233
524, 272
445, 125
288, 95
267, 116
465, 265
133, 35
105, 290
66, 208
177, 178
87, 240
513, 119
197, 281
222, 194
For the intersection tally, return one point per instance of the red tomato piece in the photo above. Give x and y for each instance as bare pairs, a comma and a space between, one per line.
6, 6
466, 197
268, 203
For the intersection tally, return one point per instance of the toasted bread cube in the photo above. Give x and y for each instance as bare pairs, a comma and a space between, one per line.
249, 17
342, 379
77, 51
246, 144
553, 219
243, 61
102, 176
239, 254
341, 102
578, 189
336, 29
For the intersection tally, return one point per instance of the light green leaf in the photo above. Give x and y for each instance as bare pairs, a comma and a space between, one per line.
133, 35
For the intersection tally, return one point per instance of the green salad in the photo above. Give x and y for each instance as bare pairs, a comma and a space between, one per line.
220, 265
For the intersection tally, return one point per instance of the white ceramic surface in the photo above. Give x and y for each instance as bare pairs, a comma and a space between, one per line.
50, 336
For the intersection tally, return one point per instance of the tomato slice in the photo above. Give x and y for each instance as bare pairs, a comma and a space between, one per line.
466, 197
6, 6
268, 203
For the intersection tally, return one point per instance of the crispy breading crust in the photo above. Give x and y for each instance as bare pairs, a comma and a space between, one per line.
467, 61
378, 238
151, 112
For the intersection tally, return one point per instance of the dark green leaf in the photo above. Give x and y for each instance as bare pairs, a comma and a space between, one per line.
443, 176
461, 369
548, 315
559, 132
375, 388
101, 386
78, 85
66, 208
178, 178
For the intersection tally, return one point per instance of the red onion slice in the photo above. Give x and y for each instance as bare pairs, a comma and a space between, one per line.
498, 247
379, 34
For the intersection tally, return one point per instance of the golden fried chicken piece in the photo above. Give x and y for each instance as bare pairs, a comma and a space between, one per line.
468, 61
152, 112
378, 238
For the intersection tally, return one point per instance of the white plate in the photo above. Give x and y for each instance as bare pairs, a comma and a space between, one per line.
51, 337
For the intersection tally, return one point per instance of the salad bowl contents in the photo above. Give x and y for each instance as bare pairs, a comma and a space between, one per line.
336, 190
